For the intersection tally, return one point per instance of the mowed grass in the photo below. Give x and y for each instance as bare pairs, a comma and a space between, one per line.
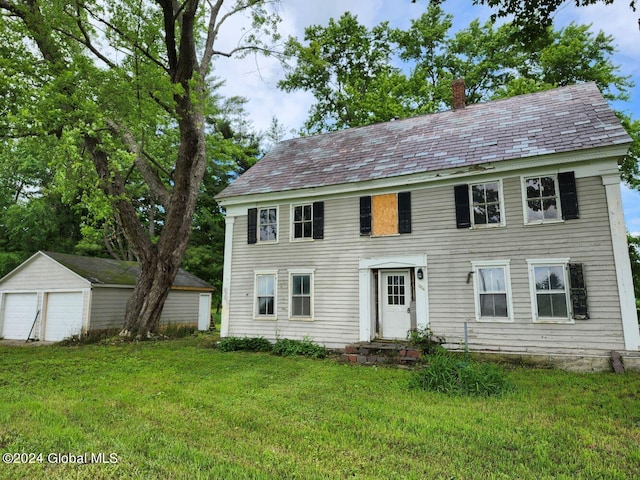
180, 409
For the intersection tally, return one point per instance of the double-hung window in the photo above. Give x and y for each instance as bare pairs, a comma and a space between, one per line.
542, 202
479, 204
301, 294
550, 198
265, 288
307, 221
549, 290
268, 224
492, 286
262, 225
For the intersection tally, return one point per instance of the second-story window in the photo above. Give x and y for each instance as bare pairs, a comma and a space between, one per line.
268, 224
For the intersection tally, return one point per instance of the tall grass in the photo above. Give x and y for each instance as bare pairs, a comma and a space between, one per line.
180, 410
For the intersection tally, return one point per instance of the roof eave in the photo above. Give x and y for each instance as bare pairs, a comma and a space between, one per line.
616, 152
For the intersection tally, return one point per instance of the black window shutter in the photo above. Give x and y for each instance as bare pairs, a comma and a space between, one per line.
463, 213
365, 215
404, 212
578, 292
318, 220
568, 195
252, 225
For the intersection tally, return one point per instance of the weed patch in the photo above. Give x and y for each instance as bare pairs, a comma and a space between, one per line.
248, 344
460, 375
285, 347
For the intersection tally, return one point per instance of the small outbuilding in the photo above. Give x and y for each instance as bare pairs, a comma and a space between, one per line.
53, 296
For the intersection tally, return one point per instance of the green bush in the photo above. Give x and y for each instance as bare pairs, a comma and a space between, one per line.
424, 339
460, 375
251, 344
286, 347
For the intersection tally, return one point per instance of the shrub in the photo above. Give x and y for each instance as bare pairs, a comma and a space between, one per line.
286, 347
251, 344
424, 339
460, 375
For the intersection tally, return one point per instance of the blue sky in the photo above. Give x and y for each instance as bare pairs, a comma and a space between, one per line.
256, 78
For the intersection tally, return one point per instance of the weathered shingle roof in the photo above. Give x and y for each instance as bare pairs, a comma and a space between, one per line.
107, 271
565, 119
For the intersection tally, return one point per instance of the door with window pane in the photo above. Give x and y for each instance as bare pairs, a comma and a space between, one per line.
395, 302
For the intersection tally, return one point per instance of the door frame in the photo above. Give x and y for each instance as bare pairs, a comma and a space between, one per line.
409, 299
368, 291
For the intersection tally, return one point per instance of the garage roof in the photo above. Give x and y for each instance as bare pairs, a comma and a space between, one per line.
107, 271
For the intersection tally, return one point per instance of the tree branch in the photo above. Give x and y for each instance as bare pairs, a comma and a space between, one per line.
124, 211
136, 45
156, 187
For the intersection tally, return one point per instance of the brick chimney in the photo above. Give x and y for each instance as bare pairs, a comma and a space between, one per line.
458, 94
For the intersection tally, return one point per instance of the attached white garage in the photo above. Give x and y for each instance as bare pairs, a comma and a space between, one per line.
53, 296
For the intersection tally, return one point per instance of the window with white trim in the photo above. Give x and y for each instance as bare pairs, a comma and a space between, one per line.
492, 287
485, 204
479, 205
303, 221
268, 224
301, 294
265, 294
542, 202
549, 290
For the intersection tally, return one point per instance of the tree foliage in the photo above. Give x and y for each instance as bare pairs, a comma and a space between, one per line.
407, 72
119, 92
533, 17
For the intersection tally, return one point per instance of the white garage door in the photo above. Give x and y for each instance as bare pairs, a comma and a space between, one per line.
19, 313
63, 315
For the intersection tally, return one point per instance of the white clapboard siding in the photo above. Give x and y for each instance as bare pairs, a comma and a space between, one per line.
450, 252
43, 273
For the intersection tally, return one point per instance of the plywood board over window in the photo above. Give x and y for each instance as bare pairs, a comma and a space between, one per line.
385, 214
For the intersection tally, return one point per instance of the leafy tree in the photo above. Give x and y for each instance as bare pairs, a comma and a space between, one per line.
533, 17
121, 91
345, 66
430, 58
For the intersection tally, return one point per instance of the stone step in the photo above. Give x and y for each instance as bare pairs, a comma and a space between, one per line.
370, 353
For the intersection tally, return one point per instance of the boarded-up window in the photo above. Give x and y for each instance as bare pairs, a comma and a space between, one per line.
385, 214
388, 214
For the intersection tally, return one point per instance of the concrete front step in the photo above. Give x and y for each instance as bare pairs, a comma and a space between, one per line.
371, 353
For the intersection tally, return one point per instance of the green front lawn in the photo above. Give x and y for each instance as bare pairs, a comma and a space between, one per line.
179, 409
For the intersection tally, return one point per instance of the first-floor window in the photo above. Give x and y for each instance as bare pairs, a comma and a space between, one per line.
301, 286
549, 290
265, 290
492, 290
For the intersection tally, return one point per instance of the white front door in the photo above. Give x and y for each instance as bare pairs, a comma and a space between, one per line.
395, 303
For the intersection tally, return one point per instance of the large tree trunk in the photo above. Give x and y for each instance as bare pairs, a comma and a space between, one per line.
159, 264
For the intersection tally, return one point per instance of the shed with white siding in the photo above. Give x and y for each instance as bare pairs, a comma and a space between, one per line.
53, 296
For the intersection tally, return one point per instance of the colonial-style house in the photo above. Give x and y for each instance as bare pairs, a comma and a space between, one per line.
498, 225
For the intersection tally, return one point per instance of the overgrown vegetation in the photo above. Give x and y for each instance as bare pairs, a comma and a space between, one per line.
249, 344
177, 409
286, 347
424, 339
283, 347
457, 374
